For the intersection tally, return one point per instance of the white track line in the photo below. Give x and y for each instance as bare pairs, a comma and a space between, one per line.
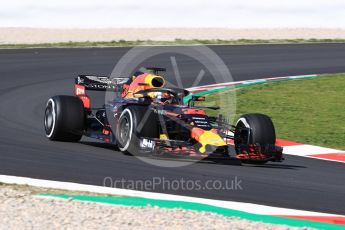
221, 85
240, 206
308, 150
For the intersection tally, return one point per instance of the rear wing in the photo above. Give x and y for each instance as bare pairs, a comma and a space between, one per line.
99, 83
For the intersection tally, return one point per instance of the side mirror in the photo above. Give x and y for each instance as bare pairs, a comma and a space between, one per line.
195, 98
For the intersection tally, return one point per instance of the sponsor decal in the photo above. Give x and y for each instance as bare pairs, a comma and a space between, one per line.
199, 118
147, 144
100, 86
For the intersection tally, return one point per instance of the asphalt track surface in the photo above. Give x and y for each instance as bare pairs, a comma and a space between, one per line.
29, 77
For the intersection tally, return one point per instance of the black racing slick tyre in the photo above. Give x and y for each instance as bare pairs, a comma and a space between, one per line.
64, 118
261, 129
135, 122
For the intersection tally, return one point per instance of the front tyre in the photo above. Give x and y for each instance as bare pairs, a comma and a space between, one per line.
64, 118
261, 129
254, 128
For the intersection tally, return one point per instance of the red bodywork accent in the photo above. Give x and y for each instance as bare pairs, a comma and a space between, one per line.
105, 132
196, 133
86, 101
194, 111
125, 89
79, 91
172, 114
252, 153
251, 156
180, 151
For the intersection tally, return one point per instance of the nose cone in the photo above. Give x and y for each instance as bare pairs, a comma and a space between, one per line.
208, 138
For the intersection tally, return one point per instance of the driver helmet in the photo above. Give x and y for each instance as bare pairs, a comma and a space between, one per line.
161, 97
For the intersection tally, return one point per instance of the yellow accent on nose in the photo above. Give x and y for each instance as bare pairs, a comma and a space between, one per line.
210, 138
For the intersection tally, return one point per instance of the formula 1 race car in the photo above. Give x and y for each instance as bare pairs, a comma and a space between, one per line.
144, 117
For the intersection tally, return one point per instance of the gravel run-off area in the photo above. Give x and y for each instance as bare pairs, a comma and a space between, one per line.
20, 208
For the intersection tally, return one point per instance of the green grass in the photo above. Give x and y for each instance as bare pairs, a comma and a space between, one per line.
309, 111
175, 42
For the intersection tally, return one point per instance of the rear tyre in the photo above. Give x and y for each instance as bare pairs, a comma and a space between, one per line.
135, 122
64, 118
261, 131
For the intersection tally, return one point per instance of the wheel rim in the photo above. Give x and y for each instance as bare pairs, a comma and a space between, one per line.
124, 130
49, 118
241, 137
